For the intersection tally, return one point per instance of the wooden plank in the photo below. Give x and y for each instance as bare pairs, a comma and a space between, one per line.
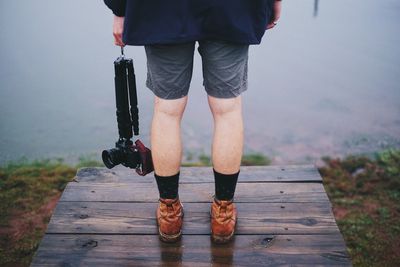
203, 192
193, 250
107, 218
290, 173
137, 218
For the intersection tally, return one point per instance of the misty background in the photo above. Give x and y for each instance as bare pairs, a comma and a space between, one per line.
324, 81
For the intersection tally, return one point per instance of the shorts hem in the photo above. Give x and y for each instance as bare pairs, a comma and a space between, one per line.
231, 94
175, 95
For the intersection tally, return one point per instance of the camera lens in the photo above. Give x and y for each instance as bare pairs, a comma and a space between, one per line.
111, 157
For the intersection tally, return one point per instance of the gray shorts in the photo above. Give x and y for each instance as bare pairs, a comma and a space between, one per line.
169, 68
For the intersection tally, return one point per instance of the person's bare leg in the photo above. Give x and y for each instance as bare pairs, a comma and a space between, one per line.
227, 146
166, 142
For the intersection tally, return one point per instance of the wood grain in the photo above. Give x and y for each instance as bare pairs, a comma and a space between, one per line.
136, 218
120, 174
107, 218
203, 192
192, 250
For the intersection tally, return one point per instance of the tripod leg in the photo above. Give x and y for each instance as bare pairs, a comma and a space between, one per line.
122, 101
133, 96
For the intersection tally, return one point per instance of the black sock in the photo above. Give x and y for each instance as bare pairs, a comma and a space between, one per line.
225, 185
167, 185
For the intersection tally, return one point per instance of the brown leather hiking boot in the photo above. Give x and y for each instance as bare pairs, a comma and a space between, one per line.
223, 220
169, 216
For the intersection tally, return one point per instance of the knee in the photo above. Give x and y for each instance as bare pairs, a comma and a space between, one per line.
173, 108
223, 106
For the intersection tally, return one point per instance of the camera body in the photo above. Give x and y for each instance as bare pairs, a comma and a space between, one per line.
129, 155
124, 153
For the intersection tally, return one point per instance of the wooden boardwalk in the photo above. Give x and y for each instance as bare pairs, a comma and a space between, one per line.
107, 218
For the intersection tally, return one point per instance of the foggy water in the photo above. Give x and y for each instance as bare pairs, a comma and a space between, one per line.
325, 81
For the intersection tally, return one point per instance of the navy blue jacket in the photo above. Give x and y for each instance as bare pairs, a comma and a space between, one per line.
178, 21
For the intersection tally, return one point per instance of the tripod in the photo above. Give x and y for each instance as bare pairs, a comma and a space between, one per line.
130, 155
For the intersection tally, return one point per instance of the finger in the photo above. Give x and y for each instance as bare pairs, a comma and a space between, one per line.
277, 10
118, 39
270, 26
117, 42
276, 14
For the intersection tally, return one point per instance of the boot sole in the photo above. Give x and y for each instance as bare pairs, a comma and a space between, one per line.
222, 239
169, 238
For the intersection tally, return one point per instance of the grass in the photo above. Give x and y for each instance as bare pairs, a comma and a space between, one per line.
251, 159
364, 191
255, 159
29, 191
26, 188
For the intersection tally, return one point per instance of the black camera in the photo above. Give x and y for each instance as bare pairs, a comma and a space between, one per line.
121, 154
132, 155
